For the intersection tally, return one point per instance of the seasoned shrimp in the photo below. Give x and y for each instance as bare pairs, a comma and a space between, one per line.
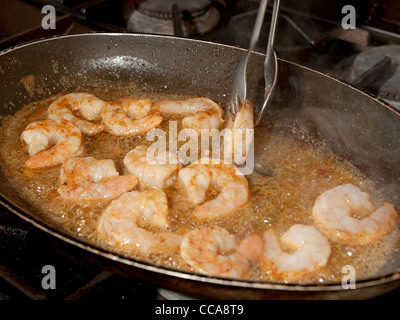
214, 251
40, 136
85, 105
333, 211
201, 113
196, 180
150, 173
311, 252
238, 142
87, 178
130, 117
122, 222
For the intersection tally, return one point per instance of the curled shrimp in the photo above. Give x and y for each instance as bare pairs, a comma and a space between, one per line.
150, 171
214, 251
130, 117
311, 252
333, 212
197, 178
238, 142
121, 222
200, 113
51, 142
85, 105
87, 178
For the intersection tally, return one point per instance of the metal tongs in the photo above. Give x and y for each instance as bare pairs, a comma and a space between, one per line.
239, 89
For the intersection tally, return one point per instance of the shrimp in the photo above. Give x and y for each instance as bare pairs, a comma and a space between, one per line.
87, 178
40, 136
121, 222
130, 117
209, 251
85, 104
150, 173
237, 143
311, 252
201, 113
333, 211
196, 180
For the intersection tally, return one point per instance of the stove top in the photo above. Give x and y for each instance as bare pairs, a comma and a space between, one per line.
27, 254
313, 39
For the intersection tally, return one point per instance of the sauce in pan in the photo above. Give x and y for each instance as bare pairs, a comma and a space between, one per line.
289, 175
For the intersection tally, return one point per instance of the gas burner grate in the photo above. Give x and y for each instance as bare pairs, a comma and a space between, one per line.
24, 253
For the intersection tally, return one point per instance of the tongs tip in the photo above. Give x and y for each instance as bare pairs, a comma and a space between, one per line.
238, 95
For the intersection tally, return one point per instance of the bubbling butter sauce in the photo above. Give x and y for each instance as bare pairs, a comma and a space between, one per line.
289, 174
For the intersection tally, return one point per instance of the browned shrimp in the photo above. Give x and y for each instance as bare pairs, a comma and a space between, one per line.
88, 178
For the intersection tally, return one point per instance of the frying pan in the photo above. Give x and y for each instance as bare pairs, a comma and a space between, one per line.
356, 126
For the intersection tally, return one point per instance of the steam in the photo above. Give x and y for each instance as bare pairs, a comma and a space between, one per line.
367, 141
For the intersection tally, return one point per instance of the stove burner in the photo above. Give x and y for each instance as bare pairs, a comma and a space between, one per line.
389, 89
162, 9
156, 16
